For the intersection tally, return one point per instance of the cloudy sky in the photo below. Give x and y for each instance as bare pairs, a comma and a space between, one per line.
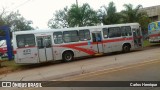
40, 11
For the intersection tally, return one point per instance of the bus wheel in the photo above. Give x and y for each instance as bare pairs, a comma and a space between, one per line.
68, 56
126, 48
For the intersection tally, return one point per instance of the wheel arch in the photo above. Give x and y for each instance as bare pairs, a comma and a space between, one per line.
67, 50
127, 43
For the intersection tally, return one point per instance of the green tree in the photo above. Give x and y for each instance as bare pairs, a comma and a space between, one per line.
60, 19
2, 22
144, 21
18, 22
82, 16
110, 15
131, 14
75, 16
136, 14
15, 21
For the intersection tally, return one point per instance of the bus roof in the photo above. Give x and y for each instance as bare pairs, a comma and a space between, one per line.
73, 28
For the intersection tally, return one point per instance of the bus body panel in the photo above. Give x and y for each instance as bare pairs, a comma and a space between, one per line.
27, 55
79, 49
49, 47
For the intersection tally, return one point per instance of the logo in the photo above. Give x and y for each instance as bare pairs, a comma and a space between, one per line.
6, 84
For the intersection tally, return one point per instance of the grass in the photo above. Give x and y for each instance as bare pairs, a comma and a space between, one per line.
9, 66
146, 43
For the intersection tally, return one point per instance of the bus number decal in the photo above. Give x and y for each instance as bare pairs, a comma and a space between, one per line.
27, 51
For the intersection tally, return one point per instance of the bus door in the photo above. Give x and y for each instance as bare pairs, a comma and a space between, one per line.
97, 41
137, 35
44, 48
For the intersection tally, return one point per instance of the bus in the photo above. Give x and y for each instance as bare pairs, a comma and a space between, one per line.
154, 32
38, 46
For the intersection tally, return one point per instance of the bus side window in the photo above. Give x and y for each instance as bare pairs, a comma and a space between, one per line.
114, 32
70, 36
66, 37
84, 35
126, 31
57, 36
105, 32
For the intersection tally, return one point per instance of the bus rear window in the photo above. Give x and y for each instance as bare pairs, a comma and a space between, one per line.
25, 40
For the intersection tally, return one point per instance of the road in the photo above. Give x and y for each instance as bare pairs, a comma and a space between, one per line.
146, 71
109, 62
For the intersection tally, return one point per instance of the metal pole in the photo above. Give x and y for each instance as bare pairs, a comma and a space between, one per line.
8, 41
77, 3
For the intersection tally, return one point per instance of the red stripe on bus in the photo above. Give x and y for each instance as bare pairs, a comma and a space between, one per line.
74, 46
154, 35
90, 51
117, 40
104, 41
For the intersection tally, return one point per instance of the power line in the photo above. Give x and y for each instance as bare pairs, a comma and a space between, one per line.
21, 4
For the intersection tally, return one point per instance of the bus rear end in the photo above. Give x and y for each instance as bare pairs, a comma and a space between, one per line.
25, 49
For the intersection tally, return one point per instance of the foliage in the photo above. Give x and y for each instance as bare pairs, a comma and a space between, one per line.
15, 21
131, 15
82, 16
60, 19
110, 14
2, 22
73, 17
144, 21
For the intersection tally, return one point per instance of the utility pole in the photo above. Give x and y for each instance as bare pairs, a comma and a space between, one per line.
77, 3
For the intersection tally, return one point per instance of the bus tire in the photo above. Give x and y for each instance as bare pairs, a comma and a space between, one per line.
67, 56
126, 48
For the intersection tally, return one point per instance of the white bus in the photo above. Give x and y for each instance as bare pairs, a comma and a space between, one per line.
37, 46
154, 32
